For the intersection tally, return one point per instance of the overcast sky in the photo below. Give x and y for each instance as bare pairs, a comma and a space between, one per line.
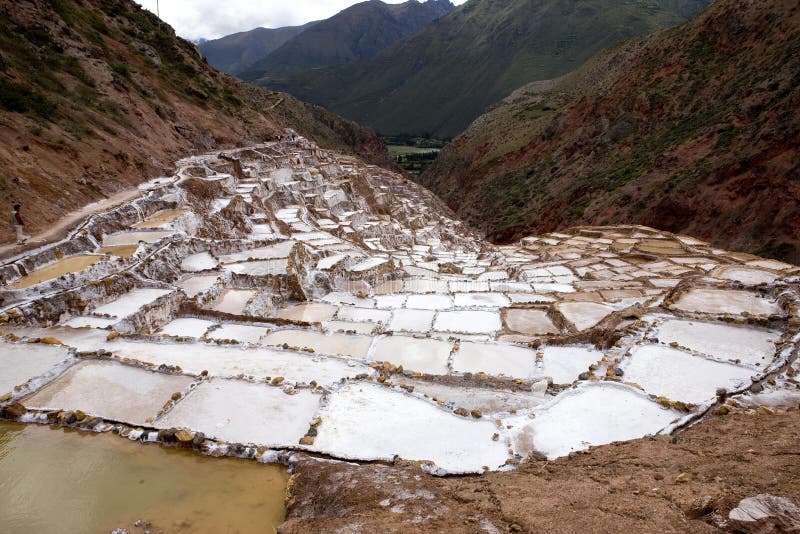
193, 19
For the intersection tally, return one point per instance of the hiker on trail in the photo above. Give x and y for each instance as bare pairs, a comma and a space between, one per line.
19, 225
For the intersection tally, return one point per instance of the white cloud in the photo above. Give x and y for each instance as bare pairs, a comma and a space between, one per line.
193, 19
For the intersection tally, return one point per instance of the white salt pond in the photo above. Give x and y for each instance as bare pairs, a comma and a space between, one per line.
313, 312
195, 285
584, 314
280, 250
258, 268
507, 360
22, 362
133, 238
429, 302
412, 320
242, 412
130, 302
748, 345
233, 301
746, 276
340, 344
592, 414
91, 322
202, 261
726, 301
237, 332
369, 422
468, 322
679, 376
423, 355
481, 300
233, 361
350, 313
529, 321
109, 390
186, 327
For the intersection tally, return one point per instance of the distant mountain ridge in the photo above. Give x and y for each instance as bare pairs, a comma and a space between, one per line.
358, 32
236, 52
440, 79
693, 130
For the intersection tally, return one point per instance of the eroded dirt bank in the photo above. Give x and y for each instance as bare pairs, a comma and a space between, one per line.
688, 483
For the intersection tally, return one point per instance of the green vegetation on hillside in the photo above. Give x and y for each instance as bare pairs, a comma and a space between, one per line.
440, 79
695, 130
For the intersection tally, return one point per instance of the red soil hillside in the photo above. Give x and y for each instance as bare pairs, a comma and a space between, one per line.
694, 130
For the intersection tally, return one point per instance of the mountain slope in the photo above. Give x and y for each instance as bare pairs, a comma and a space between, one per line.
358, 32
100, 95
234, 53
693, 130
440, 79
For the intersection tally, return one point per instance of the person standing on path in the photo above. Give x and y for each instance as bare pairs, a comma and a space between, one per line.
19, 225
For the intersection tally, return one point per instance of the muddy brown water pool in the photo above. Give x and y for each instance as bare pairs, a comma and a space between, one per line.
73, 264
57, 480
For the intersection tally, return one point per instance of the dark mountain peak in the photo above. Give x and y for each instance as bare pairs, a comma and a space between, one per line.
358, 32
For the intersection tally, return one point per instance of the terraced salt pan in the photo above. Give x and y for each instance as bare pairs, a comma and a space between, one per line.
160, 219
131, 302
748, 345
429, 302
487, 401
233, 301
726, 301
340, 344
281, 250
347, 326
350, 313
21, 362
83, 321
423, 355
481, 300
468, 322
231, 361
679, 376
237, 332
368, 264
202, 261
81, 339
259, 268
186, 327
73, 264
593, 414
242, 412
412, 320
495, 360
133, 238
313, 312
369, 422
584, 314
195, 285
529, 321
562, 364
109, 390
746, 276
390, 301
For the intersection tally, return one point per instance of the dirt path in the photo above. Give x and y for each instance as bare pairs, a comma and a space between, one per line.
60, 229
649, 485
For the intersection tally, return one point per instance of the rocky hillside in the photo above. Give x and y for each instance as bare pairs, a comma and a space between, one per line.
693, 130
96, 96
358, 32
438, 80
234, 53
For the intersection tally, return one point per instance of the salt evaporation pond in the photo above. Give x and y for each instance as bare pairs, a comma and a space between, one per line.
101, 482
73, 264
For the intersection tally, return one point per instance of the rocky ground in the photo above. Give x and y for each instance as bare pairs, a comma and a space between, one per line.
688, 482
